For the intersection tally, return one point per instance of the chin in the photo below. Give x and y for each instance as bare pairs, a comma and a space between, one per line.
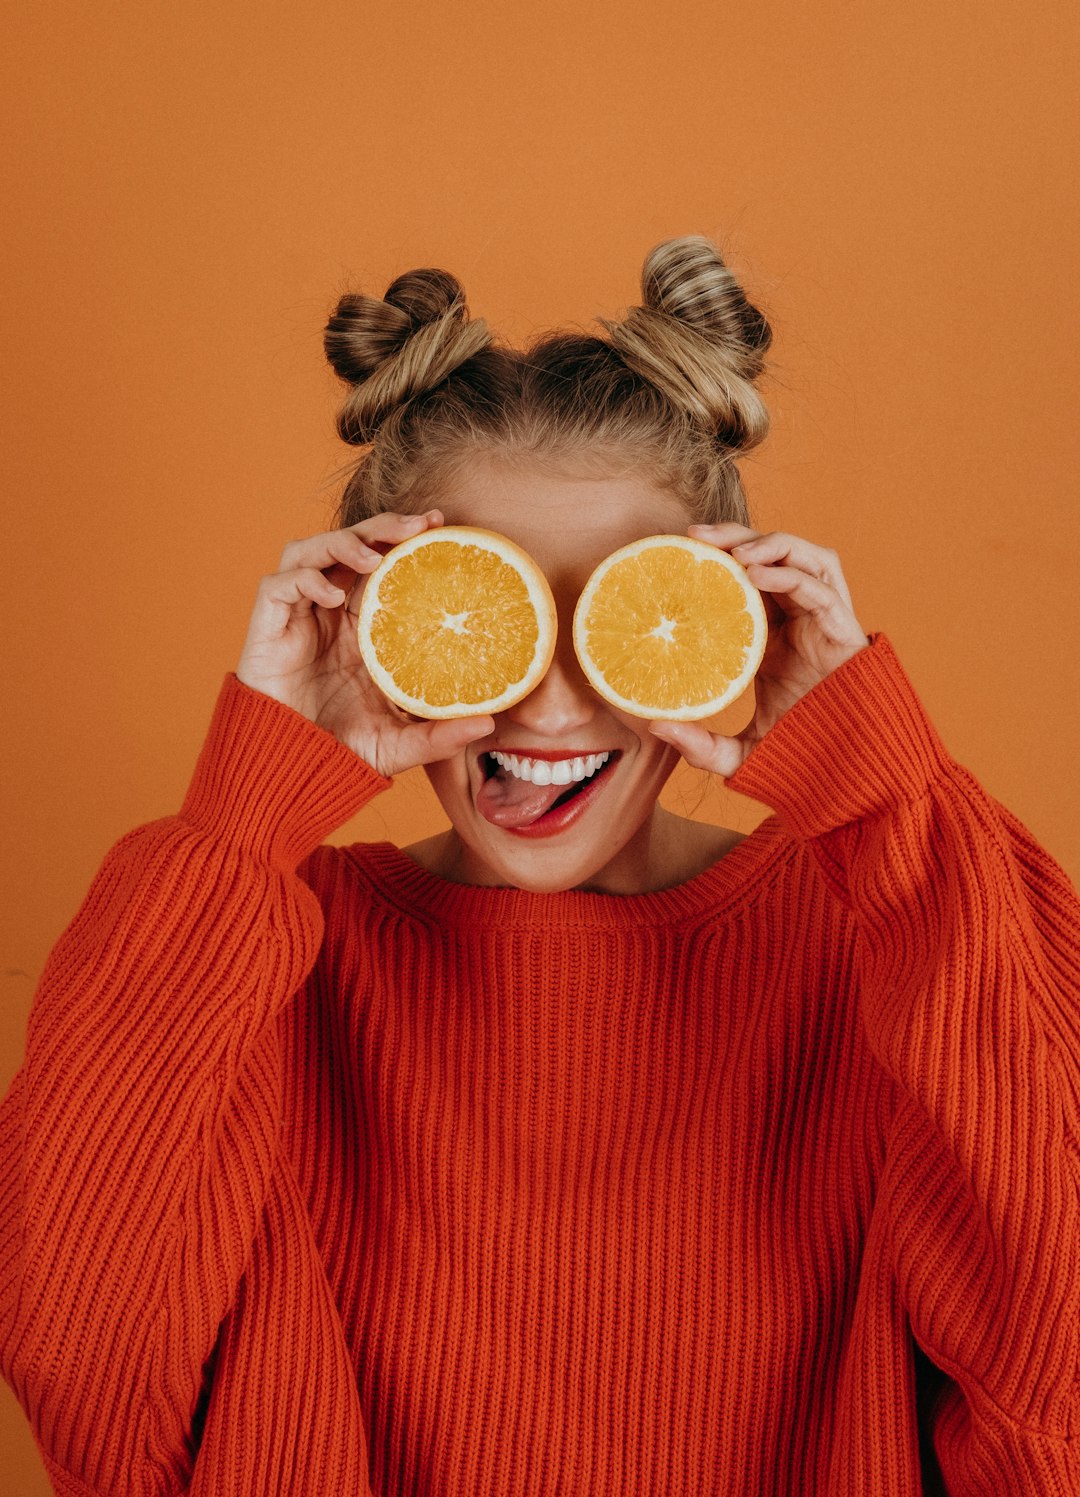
562, 874
548, 885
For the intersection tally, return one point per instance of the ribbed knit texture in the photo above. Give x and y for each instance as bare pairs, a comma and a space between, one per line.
323, 1175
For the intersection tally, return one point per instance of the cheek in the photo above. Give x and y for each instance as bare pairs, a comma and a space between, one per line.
648, 749
660, 758
449, 778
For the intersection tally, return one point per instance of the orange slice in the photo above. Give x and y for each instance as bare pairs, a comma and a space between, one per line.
670, 627
456, 621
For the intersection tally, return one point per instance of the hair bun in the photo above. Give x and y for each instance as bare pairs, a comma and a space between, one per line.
392, 349
698, 339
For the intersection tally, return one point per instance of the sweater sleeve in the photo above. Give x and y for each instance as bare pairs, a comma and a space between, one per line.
968, 961
138, 1136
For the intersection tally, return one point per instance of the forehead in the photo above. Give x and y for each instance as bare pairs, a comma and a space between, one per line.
566, 523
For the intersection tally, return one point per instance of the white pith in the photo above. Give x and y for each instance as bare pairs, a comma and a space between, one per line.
552, 772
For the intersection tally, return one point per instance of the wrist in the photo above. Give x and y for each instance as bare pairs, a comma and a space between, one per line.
270, 780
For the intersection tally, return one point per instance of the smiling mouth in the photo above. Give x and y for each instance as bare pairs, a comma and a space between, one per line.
515, 802
547, 771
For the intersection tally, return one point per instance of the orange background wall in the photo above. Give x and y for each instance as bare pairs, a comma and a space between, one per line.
187, 189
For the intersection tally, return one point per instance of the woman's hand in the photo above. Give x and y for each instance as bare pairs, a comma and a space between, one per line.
812, 630
302, 648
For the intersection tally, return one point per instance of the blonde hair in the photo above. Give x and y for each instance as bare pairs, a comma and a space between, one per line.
669, 394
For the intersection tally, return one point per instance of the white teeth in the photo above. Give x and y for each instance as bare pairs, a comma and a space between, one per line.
552, 772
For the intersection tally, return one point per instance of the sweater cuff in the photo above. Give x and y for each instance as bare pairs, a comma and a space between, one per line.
857, 744
271, 781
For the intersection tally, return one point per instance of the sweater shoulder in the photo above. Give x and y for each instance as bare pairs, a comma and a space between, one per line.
345, 881
322, 870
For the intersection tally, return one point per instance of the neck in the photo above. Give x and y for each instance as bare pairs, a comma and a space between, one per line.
666, 850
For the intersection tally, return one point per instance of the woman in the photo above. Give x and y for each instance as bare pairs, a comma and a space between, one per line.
589, 1150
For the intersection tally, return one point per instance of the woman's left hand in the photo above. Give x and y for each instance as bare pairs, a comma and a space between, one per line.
812, 630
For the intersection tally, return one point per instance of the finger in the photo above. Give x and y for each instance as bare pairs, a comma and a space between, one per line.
778, 547
428, 742
796, 591
333, 547
390, 529
282, 594
747, 545
380, 531
702, 749
354, 546
725, 535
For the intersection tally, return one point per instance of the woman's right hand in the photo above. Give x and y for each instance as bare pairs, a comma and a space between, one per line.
302, 648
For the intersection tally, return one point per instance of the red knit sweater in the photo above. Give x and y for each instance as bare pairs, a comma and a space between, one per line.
323, 1175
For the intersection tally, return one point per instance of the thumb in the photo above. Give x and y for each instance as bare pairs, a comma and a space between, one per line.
449, 735
702, 749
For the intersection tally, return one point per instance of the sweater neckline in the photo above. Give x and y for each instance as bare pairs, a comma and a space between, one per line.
723, 887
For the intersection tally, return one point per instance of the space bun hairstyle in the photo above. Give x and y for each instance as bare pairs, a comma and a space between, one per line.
698, 340
668, 395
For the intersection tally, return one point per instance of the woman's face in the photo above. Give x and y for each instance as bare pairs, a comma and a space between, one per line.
612, 843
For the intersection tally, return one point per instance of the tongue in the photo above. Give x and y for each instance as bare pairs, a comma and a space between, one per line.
506, 801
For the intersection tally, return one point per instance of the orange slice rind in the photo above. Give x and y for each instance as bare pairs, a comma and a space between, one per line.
670, 627
456, 621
